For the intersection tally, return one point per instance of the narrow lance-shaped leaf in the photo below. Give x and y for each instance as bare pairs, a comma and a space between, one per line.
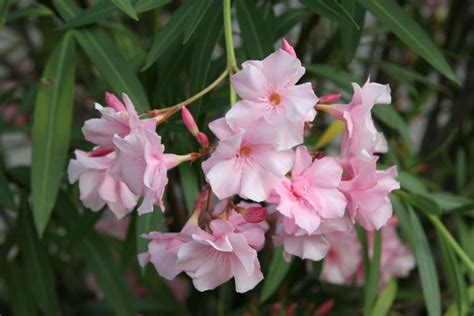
51, 129
127, 7
279, 267
371, 283
18, 293
386, 299
399, 22
331, 9
350, 35
36, 263
199, 11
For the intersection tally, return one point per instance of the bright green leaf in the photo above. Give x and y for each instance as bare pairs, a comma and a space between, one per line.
398, 21
279, 267
51, 129
386, 299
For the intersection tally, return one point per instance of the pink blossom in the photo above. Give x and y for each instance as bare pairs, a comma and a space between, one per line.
245, 161
268, 90
97, 187
287, 47
116, 119
162, 252
367, 189
142, 164
211, 259
312, 194
360, 135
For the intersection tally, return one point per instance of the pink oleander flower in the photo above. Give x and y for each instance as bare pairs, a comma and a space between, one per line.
344, 258
268, 90
297, 242
312, 194
142, 164
245, 162
111, 225
360, 135
367, 190
116, 119
97, 187
214, 257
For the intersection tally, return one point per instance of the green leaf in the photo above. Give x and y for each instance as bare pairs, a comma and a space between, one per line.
19, 295
421, 202
118, 73
256, 36
129, 44
127, 7
399, 22
279, 267
199, 11
36, 263
411, 183
32, 10
6, 194
146, 5
350, 36
4, 7
386, 299
370, 289
454, 275
93, 14
206, 39
414, 233
98, 259
390, 117
170, 34
339, 77
288, 19
51, 129
333, 10
461, 169
146, 223
190, 185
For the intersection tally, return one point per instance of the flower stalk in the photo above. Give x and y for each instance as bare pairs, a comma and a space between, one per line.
229, 44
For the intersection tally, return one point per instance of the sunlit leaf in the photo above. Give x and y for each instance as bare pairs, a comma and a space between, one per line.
385, 299
333, 130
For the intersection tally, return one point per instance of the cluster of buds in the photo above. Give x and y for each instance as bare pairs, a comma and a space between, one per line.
258, 173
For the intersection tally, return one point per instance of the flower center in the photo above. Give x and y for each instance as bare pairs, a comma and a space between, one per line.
244, 151
275, 99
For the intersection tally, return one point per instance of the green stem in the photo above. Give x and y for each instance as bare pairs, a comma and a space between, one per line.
371, 283
229, 45
450, 239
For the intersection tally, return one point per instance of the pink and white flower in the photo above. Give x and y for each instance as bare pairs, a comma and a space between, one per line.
116, 119
97, 187
360, 135
367, 190
268, 90
312, 194
245, 162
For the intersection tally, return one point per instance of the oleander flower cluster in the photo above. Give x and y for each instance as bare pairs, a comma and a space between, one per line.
264, 185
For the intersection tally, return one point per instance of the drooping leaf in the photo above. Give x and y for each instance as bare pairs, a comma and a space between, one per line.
385, 299
170, 34
279, 267
333, 10
350, 35
389, 13
371, 284
413, 232
199, 11
36, 264
389, 116
51, 129
127, 7
256, 36
98, 259
119, 74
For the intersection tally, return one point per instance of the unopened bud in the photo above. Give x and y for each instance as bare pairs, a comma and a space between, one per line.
189, 121
112, 101
101, 151
325, 308
330, 98
255, 214
287, 47
202, 139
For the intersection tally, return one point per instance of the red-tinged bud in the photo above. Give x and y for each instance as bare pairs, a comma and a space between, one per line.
112, 101
275, 309
330, 98
189, 121
255, 214
202, 139
101, 151
287, 47
325, 307
290, 310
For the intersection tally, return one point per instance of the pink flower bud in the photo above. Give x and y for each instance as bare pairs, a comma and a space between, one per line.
101, 151
330, 98
287, 47
325, 307
189, 121
202, 139
255, 214
112, 101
